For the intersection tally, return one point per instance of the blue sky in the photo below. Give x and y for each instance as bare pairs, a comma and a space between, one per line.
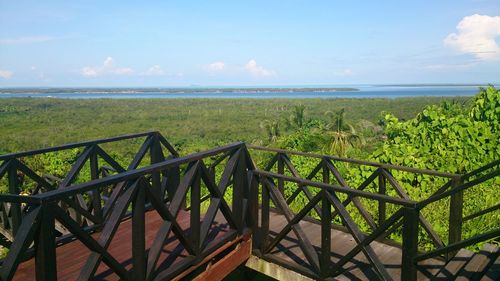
245, 43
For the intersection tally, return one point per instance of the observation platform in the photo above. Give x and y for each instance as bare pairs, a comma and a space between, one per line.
199, 217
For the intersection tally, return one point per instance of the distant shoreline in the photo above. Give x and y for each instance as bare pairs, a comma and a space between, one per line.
171, 90
433, 85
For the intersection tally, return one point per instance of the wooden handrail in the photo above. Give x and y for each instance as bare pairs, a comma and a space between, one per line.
357, 161
481, 169
346, 190
74, 145
457, 189
133, 174
460, 244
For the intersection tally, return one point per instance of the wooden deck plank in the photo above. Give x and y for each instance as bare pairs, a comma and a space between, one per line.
72, 256
478, 264
359, 268
493, 273
454, 265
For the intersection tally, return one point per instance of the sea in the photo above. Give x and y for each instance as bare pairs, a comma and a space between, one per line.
364, 91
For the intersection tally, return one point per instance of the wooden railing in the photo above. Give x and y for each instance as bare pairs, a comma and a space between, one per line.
163, 186
87, 209
324, 186
60, 209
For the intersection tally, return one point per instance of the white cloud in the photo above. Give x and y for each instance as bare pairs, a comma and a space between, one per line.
257, 70
89, 71
477, 35
108, 62
25, 40
217, 66
5, 74
344, 72
154, 70
108, 67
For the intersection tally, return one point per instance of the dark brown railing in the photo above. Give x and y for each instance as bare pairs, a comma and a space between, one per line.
324, 204
88, 210
62, 209
52, 217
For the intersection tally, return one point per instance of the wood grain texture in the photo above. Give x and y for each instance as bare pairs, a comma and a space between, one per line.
71, 257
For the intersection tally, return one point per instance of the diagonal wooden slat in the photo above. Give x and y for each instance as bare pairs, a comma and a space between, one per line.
304, 242
221, 158
106, 157
166, 215
364, 213
311, 175
34, 176
4, 168
167, 145
22, 241
109, 229
425, 224
359, 237
295, 220
271, 163
77, 166
173, 209
217, 198
301, 187
117, 189
141, 153
77, 207
379, 232
115, 193
89, 242
73, 173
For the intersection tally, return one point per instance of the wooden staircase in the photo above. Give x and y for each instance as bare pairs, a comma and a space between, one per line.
468, 265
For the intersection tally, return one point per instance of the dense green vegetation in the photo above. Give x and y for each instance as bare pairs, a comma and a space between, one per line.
446, 134
190, 124
454, 136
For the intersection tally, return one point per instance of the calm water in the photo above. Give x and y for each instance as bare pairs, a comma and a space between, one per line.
364, 92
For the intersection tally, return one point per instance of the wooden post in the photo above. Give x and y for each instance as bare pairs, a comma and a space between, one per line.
410, 244
138, 233
45, 247
281, 171
94, 174
194, 233
173, 180
326, 224
15, 208
253, 209
455, 220
264, 233
239, 185
156, 156
326, 172
381, 204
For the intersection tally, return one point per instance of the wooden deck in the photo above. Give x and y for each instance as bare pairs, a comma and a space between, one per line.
359, 268
71, 257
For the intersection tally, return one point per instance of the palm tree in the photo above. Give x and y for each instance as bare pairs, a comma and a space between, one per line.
337, 122
297, 117
272, 129
342, 135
